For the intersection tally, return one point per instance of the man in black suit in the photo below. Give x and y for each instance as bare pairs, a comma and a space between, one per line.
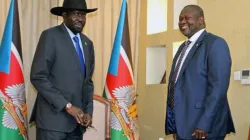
62, 72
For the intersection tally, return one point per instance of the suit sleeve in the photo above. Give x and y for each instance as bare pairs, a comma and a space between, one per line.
40, 72
219, 70
90, 87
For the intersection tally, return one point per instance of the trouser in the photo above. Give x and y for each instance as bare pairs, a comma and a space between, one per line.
219, 138
42, 134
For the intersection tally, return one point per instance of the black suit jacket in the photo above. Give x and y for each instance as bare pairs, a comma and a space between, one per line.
57, 76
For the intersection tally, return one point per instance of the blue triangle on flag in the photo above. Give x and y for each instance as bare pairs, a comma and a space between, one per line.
5, 48
114, 61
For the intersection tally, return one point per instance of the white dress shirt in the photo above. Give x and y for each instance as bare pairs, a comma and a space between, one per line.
193, 39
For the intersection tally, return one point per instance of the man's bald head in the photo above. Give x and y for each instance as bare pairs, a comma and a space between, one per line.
196, 9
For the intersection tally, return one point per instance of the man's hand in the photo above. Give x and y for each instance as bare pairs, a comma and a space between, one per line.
199, 134
87, 120
77, 113
174, 136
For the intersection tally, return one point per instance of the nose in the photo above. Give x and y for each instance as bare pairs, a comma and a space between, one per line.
80, 19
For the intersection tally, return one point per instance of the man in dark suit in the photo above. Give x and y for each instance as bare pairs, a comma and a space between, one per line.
62, 74
197, 106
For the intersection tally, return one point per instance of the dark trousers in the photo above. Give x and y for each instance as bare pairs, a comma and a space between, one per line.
219, 138
42, 134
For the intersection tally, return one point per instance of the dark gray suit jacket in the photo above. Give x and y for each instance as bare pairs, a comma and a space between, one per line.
57, 76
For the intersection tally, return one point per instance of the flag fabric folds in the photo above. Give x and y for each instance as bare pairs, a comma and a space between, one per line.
119, 87
13, 108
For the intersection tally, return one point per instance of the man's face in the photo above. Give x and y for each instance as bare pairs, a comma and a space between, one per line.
75, 20
189, 22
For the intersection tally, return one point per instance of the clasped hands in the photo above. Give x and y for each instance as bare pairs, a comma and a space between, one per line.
82, 118
198, 133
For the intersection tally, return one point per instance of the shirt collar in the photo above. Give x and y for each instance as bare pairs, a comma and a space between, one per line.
195, 37
71, 33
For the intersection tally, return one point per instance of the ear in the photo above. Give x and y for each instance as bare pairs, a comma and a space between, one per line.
201, 20
64, 14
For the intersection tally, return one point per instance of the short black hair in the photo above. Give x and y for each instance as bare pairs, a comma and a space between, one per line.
196, 8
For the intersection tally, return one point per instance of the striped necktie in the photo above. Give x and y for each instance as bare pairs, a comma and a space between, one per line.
176, 70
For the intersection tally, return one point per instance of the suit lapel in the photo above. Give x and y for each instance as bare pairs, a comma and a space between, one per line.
70, 46
191, 53
86, 54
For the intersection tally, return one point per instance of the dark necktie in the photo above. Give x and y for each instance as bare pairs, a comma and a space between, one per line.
176, 70
80, 55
